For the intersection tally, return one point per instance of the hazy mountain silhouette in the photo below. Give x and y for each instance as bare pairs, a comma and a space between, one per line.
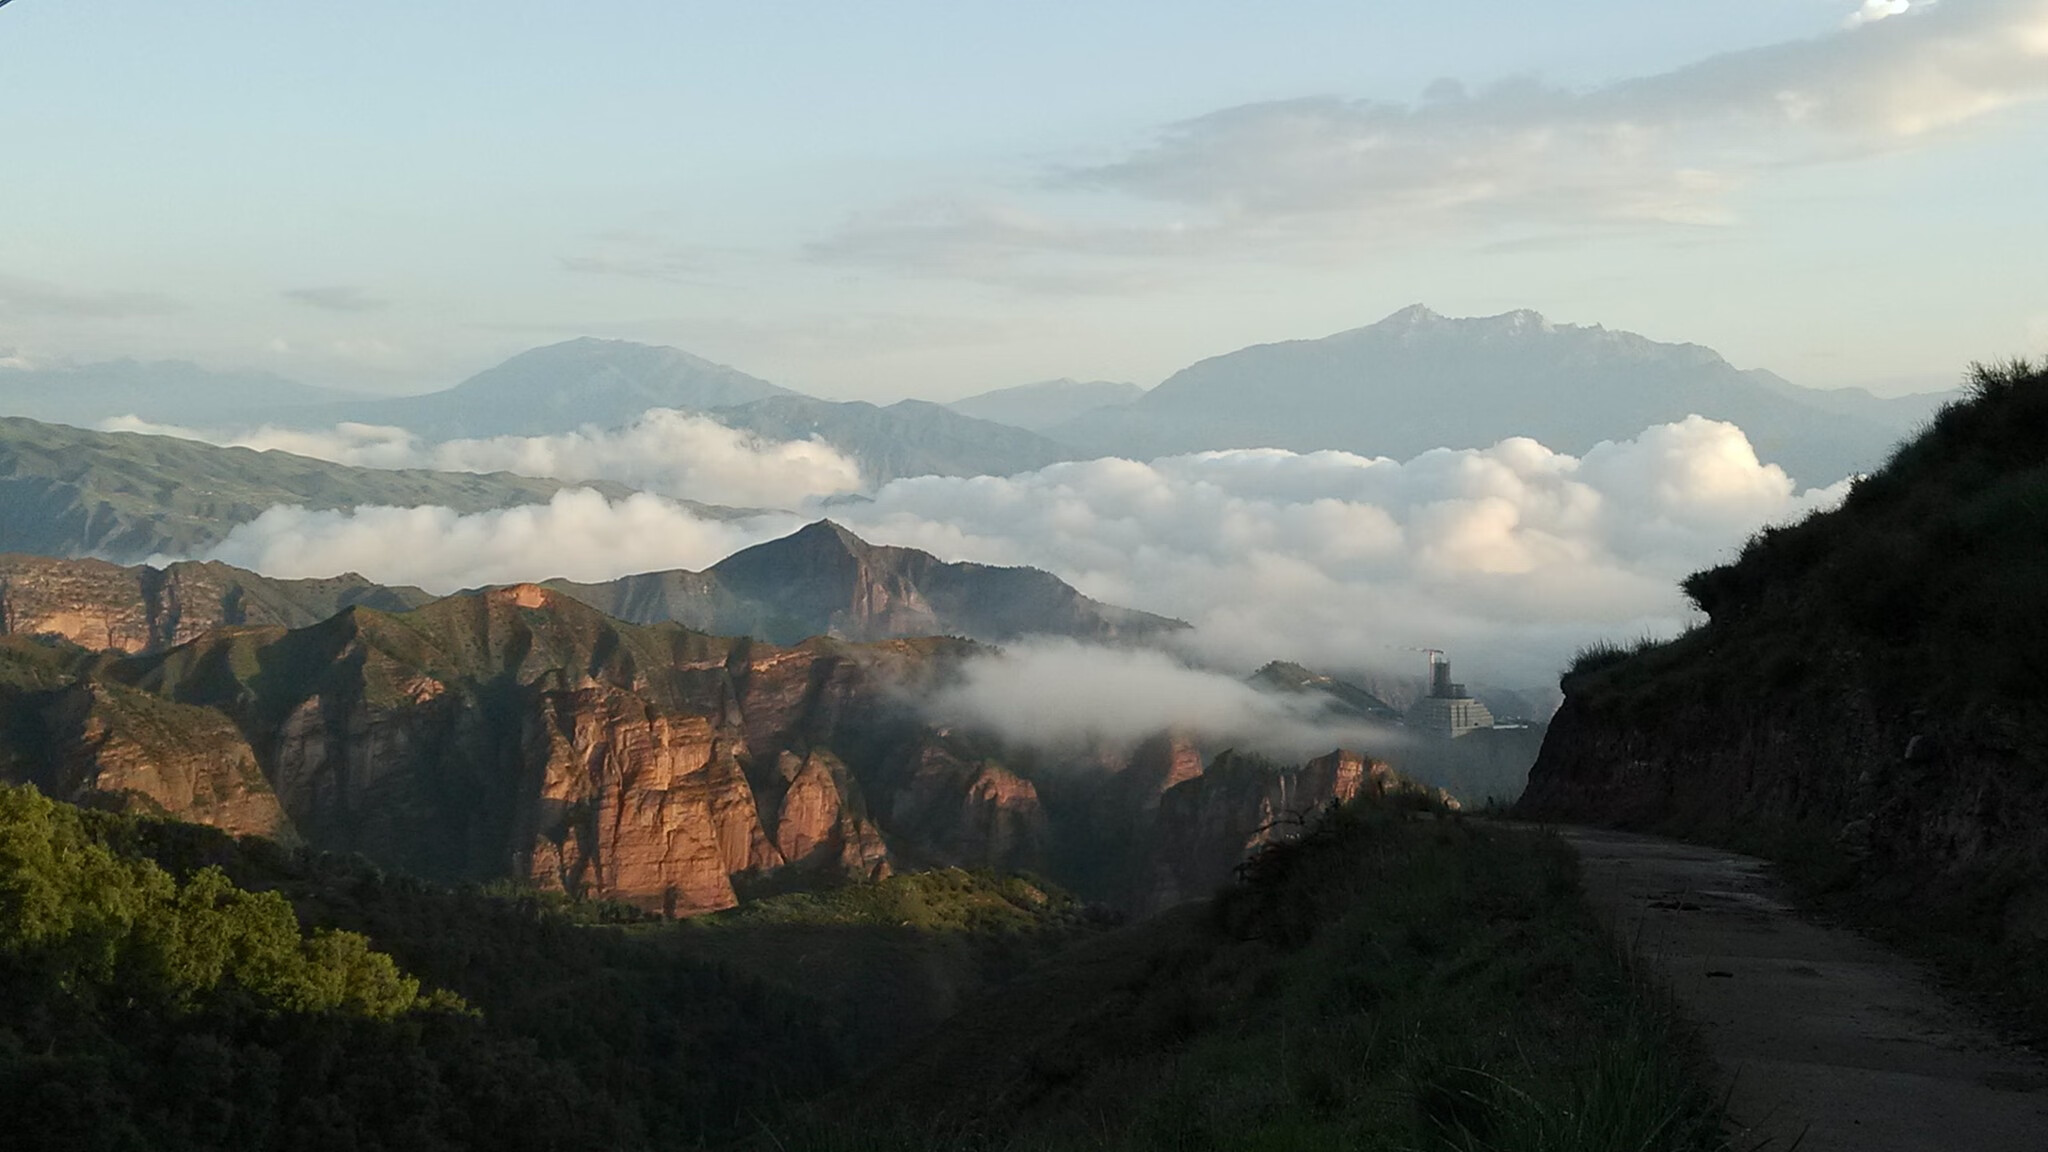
1417, 381
1040, 406
907, 438
558, 388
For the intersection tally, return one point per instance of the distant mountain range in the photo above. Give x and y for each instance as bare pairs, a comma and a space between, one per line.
1417, 381
907, 438
1043, 405
608, 383
1411, 382
819, 581
554, 389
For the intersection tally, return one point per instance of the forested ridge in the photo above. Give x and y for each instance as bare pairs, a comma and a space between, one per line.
149, 1000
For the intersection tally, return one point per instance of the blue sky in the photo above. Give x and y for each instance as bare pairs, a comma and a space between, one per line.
890, 199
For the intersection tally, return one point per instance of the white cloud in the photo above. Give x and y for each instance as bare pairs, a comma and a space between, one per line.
1511, 556
1875, 10
1064, 694
1311, 179
664, 451
579, 535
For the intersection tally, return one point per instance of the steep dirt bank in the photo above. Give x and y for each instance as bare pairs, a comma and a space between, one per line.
1866, 702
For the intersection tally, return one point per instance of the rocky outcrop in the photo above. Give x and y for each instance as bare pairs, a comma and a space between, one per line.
821, 822
138, 608
104, 745
1942, 799
647, 807
1206, 826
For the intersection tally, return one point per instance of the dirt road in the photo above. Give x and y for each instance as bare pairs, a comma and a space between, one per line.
1832, 1042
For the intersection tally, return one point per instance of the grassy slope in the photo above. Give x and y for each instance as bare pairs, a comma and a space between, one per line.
68, 491
1384, 984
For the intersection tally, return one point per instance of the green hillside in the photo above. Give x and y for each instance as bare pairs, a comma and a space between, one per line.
167, 986
67, 491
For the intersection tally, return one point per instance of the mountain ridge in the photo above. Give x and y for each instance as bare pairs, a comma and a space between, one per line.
820, 580
1417, 380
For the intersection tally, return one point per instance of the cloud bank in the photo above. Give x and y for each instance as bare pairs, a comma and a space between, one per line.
663, 451
1510, 556
1072, 694
579, 535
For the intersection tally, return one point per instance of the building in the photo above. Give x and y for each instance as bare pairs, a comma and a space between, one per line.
1448, 711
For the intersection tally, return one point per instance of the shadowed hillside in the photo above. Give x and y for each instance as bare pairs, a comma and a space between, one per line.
1387, 981
1867, 698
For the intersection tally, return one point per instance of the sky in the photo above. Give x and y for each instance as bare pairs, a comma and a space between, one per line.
935, 198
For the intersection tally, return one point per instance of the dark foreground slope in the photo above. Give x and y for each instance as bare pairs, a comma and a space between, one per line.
1384, 982
166, 986
1868, 696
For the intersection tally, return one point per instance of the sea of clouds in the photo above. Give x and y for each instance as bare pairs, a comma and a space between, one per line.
666, 452
1510, 556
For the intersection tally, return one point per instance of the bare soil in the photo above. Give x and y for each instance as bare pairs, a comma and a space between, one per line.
1825, 1041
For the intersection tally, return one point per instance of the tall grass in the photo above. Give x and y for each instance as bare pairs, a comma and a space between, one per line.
1387, 982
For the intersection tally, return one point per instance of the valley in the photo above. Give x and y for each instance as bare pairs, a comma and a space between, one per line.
651, 577
779, 808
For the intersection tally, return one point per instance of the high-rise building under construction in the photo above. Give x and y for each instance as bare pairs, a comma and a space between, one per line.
1448, 711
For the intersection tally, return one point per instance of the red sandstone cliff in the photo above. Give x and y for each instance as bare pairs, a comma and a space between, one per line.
517, 733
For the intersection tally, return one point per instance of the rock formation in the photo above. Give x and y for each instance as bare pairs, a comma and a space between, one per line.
517, 733
138, 608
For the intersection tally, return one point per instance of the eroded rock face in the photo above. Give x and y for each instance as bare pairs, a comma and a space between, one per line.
518, 734
137, 608
642, 806
107, 745
1209, 824
823, 823
91, 603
